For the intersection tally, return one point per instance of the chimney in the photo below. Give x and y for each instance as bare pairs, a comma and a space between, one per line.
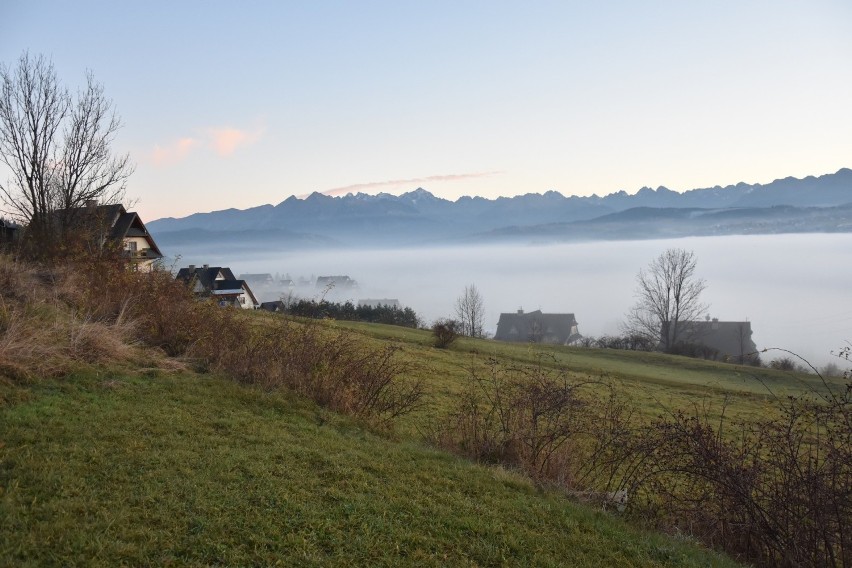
91, 203
520, 311
192, 268
206, 266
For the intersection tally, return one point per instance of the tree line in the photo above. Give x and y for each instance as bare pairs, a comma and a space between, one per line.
322, 309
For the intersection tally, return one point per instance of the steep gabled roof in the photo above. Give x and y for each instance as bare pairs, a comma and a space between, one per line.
214, 279
112, 221
536, 326
205, 275
732, 338
128, 224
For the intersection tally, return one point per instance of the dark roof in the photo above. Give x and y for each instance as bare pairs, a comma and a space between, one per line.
206, 276
275, 306
265, 277
229, 284
120, 223
537, 326
731, 338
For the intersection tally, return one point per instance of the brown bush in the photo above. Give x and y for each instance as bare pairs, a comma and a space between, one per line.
95, 311
775, 491
555, 428
445, 332
330, 367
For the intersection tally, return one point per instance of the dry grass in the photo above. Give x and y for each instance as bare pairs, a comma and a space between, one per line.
97, 313
61, 319
776, 490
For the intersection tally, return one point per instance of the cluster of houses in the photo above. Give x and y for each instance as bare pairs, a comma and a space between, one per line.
724, 339
711, 338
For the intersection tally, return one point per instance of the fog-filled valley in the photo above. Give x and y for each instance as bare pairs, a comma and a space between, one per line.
792, 288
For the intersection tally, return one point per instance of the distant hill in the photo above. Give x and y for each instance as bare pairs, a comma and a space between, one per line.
812, 204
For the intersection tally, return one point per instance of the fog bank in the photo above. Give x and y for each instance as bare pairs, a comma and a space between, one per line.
793, 288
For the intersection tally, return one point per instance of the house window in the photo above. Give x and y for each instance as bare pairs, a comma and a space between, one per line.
130, 246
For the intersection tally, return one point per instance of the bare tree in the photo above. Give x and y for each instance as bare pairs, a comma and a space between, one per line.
667, 295
470, 312
56, 146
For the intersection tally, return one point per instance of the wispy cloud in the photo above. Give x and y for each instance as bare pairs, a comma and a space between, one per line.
223, 141
174, 152
364, 187
226, 140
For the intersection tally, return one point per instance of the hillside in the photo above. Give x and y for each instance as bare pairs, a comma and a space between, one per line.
142, 427
108, 469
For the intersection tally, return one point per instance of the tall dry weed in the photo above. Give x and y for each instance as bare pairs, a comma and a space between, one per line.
330, 367
776, 491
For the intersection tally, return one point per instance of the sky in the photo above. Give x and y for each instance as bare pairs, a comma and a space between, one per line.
239, 104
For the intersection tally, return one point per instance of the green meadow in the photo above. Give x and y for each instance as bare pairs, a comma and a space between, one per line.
109, 469
115, 466
656, 382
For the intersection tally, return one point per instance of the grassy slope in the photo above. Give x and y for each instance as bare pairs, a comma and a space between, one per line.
656, 382
195, 470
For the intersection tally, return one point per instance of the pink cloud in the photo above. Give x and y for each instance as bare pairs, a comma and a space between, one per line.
226, 140
396, 182
174, 152
223, 141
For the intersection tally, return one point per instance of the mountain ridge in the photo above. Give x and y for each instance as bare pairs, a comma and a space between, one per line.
418, 216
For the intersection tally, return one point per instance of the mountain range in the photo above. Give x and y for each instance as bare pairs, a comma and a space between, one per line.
811, 204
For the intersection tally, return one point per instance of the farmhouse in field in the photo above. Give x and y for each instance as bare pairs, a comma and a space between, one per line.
218, 283
537, 327
713, 339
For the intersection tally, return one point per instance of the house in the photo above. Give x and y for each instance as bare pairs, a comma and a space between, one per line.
713, 339
274, 306
9, 232
264, 279
537, 327
218, 283
113, 224
336, 283
377, 303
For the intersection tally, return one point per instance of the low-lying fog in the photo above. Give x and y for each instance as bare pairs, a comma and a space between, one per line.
795, 289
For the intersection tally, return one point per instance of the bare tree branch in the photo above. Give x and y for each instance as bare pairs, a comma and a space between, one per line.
470, 312
667, 294
55, 146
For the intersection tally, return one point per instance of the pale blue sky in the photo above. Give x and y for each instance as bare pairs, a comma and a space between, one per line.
236, 104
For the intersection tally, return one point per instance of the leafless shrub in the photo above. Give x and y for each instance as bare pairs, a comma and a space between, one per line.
328, 366
550, 425
783, 364
633, 342
445, 332
774, 491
